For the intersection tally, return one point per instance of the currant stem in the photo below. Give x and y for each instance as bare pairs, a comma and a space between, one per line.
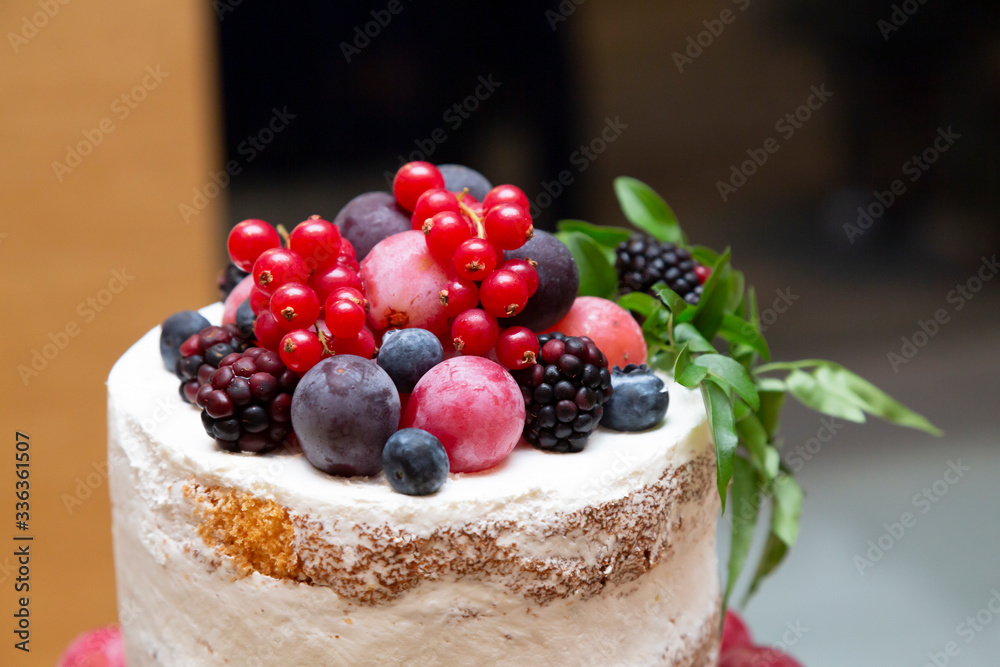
283, 233
322, 339
467, 210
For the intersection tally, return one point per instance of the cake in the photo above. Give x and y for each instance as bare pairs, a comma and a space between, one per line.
418, 436
605, 557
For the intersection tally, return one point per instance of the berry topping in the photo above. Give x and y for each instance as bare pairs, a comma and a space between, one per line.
360, 345
407, 354
300, 350
517, 348
245, 402
564, 393
316, 241
506, 194
475, 259
369, 218
504, 293
229, 278
415, 462
344, 317
174, 331
638, 402
558, 281
248, 240
277, 267
473, 406
642, 261
326, 281
459, 178
245, 319
344, 409
474, 332
508, 226
432, 202
458, 296
294, 306
444, 233
609, 325
412, 180
202, 353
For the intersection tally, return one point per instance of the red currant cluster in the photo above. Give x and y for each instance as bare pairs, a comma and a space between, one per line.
307, 295
471, 237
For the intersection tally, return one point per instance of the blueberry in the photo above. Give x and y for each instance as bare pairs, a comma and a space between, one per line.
245, 319
638, 402
415, 462
176, 329
457, 177
407, 354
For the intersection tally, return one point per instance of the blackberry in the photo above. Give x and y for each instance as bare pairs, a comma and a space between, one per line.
202, 353
564, 393
228, 278
246, 405
642, 261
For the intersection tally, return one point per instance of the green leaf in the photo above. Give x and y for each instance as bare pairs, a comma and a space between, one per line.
744, 519
719, 407
716, 294
609, 237
674, 301
772, 462
771, 403
737, 330
640, 302
597, 275
692, 376
774, 553
787, 510
835, 378
646, 210
754, 436
687, 333
736, 292
733, 374
704, 255
807, 390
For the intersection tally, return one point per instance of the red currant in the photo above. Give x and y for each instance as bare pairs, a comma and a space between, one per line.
503, 293
475, 332
326, 281
458, 296
431, 202
508, 226
506, 194
276, 267
703, 272
259, 301
300, 350
316, 241
475, 259
361, 345
294, 306
350, 294
347, 249
444, 233
344, 318
517, 348
266, 331
248, 240
526, 269
412, 180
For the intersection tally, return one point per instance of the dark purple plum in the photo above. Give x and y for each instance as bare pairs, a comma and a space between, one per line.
558, 282
458, 177
343, 411
369, 218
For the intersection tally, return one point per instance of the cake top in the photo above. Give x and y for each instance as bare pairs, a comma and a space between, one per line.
432, 329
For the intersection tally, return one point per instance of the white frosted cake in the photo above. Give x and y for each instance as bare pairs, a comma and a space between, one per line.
605, 557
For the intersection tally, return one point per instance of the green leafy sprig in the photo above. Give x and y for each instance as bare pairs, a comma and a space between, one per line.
718, 347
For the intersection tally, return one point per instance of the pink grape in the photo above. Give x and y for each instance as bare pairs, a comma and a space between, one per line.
402, 282
611, 327
239, 294
473, 406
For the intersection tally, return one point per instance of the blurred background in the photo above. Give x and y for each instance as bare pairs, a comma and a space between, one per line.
848, 153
